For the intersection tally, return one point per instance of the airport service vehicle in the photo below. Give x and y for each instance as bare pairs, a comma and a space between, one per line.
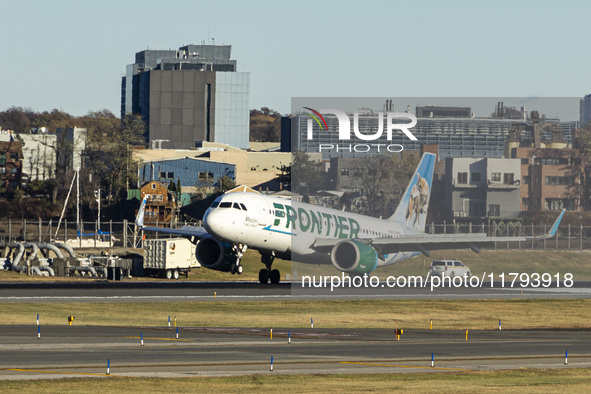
168, 258
356, 244
451, 268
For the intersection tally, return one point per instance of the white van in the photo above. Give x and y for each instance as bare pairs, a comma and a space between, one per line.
450, 268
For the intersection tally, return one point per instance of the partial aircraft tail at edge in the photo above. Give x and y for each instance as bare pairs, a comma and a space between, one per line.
412, 210
139, 220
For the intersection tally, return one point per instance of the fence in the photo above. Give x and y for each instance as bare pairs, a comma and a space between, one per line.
126, 234
567, 237
111, 234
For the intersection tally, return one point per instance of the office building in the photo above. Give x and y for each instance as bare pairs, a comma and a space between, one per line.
585, 110
187, 96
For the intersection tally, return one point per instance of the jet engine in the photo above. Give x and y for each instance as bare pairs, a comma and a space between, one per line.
354, 257
215, 255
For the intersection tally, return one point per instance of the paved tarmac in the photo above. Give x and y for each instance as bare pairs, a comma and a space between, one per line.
163, 291
78, 351
75, 351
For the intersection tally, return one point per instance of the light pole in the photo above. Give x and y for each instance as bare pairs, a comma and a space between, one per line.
97, 195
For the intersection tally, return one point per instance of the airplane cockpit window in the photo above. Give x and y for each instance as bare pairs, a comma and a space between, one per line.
236, 206
225, 204
243, 207
215, 204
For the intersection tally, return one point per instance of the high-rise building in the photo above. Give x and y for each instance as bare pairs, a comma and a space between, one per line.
187, 96
585, 110
464, 136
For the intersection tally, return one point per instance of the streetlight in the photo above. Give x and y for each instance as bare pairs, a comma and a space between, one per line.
97, 196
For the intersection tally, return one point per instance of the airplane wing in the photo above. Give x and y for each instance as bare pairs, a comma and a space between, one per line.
187, 231
427, 242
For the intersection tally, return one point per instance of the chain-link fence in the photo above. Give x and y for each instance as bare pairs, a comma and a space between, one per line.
567, 237
109, 234
126, 234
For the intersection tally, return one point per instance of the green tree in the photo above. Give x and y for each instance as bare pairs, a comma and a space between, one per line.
53, 120
225, 183
265, 125
284, 176
307, 176
17, 118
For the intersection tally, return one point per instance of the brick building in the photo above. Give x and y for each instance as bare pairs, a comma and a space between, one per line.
11, 165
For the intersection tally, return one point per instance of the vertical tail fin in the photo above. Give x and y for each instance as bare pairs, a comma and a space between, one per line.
412, 210
139, 220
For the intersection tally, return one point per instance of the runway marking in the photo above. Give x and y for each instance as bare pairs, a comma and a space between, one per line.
405, 366
162, 339
58, 372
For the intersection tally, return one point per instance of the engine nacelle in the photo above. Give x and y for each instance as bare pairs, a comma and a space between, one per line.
215, 255
354, 257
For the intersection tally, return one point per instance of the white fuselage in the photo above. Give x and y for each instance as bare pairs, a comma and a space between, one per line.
285, 227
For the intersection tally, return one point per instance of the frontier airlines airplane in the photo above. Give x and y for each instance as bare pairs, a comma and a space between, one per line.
243, 218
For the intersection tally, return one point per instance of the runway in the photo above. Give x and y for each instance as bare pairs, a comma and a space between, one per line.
82, 351
175, 291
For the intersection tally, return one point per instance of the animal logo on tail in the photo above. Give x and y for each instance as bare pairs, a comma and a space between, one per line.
419, 199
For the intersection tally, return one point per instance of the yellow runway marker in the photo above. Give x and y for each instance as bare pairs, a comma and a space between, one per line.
57, 372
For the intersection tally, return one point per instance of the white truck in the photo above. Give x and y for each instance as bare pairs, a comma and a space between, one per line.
449, 267
167, 258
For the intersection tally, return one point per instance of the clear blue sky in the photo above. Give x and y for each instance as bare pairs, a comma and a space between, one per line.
70, 55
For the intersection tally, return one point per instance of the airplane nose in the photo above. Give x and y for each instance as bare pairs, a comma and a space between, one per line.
216, 221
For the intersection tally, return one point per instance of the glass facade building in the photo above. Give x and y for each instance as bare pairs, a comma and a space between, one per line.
187, 96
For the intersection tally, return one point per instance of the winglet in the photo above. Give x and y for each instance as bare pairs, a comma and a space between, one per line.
554, 227
139, 220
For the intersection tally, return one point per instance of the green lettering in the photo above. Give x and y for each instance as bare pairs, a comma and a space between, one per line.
304, 219
316, 222
343, 227
278, 213
354, 233
291, 217
327, 216
336, 226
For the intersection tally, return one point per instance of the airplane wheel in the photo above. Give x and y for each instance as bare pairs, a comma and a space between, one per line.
264, 275
233, 269
275, 276
168, 274
175, 274
239, 270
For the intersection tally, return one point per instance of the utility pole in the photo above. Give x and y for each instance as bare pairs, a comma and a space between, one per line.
97, 195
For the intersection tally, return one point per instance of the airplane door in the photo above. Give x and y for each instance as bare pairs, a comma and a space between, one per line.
262, 212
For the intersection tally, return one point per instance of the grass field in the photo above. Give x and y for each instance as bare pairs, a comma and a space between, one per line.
577, 263
496, 261
515, 381
408, 314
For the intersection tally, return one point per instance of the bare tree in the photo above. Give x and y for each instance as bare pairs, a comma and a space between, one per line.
382, 180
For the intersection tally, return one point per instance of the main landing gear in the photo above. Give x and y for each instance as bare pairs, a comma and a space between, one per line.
237, 267
267, 274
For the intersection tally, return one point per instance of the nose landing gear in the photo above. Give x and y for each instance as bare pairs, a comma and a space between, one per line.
239, 250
